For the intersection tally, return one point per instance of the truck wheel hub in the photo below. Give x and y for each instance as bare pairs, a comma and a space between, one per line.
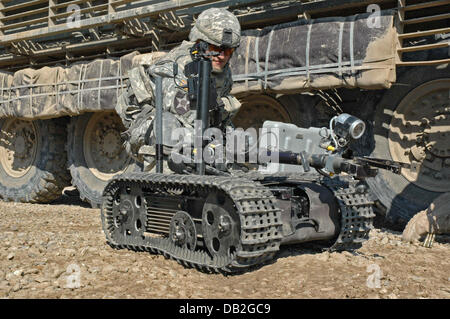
437, 135
103, 147
419, 133
18, 147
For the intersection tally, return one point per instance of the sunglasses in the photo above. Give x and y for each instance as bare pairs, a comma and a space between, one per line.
226, 51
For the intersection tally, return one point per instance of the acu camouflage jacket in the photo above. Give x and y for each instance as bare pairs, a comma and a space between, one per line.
136, 106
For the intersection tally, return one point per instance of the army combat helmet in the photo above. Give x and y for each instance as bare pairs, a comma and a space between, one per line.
217, 26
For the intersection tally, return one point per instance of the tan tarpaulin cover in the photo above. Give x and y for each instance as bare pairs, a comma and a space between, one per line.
57, 91
352, 52
35, 91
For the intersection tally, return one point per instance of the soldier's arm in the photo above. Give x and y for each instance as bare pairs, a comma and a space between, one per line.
231, 105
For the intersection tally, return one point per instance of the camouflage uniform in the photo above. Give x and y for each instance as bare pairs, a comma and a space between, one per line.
136, 104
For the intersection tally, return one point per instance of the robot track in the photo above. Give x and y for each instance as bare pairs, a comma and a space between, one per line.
135, 207
233, 223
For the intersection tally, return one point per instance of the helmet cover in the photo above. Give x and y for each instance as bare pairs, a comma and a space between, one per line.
217, 26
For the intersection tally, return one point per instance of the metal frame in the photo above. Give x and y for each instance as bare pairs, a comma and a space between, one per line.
24, 25
420, 22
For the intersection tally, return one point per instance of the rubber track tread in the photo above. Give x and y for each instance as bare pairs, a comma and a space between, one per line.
354, 204
261, 226
356, 213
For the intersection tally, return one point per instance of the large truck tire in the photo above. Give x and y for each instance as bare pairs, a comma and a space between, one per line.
96, 153
257, 108
297, 109
412, 125
32, 160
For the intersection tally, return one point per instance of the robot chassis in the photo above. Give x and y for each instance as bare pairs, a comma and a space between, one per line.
226, 219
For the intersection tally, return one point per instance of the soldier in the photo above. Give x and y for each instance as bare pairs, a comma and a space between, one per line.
136, 106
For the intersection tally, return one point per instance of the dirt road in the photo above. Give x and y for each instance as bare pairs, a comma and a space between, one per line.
59, 251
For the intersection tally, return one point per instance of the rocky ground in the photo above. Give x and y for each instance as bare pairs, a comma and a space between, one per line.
59, 251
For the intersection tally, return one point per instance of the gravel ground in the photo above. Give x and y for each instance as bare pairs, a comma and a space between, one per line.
59, 251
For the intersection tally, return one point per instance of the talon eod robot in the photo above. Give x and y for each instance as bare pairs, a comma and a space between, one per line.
222, 216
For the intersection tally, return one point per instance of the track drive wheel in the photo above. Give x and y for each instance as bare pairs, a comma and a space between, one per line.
32, 160
221, 225
96, 153
182, 231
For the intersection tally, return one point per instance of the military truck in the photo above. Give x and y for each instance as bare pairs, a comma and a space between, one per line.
65, 62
